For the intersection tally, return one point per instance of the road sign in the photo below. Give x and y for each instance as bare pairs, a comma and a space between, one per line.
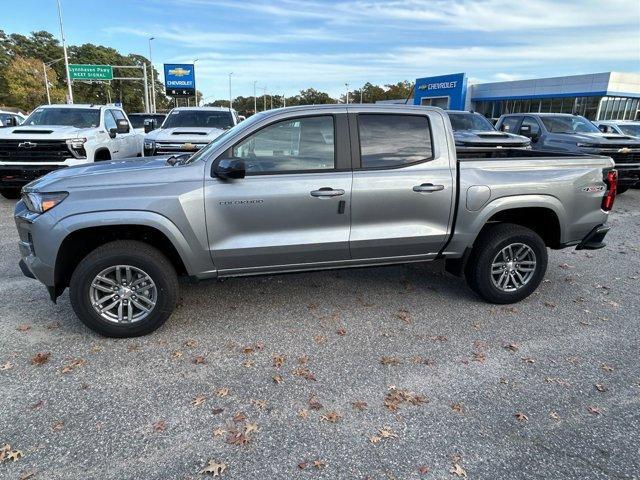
91, 72
179, 80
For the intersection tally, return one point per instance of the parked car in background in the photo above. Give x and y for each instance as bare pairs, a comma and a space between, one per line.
623, 127
58, 136
188, 129
306, 188
146, 122
564, 132
10, 119
474, 134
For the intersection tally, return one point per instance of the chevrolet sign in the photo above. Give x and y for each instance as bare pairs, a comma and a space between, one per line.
179, 80
437, 86
179, 72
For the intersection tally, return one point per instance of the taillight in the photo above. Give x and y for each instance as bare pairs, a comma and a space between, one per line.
612, 188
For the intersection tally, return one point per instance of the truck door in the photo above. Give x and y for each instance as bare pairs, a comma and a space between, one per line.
403, 184
128, 145
293, 206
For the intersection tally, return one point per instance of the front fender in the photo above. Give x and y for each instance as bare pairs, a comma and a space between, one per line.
81, 221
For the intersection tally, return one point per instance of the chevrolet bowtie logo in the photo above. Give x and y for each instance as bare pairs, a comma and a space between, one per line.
188, 146
27, 145
624, 150
179, 72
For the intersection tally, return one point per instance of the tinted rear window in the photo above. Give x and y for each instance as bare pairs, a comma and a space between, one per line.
393, 140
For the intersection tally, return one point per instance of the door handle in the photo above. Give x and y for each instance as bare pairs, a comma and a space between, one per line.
428, 187
327, 192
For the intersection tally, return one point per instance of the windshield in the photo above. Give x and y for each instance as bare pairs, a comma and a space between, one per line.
69, 117
137, 121
568, 124
238, 129
198, 118
470, 121
633, 129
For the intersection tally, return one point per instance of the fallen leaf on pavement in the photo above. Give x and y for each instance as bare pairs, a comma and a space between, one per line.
303, 413
607, 368
278, 379
278, 361
199, 360
23, 328
384, 360
214, 468
386, 432
331, 417
198, 400
554, 415
219, 432
600, 387
314, 404
456, 407
359, 405
6, 366
40, 358
458, 471
222, 392
521, 417
594, 410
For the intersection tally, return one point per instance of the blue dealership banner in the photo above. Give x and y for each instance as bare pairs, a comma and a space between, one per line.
180, 79
444, 91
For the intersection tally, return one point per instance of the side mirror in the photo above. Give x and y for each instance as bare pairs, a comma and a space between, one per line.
113, 132
229, 168
10, 122
525, 130
122, 126
150, 125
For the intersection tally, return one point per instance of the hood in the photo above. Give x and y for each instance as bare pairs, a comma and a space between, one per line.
600, 138
184, 134
100, 173
44, 132
481, 137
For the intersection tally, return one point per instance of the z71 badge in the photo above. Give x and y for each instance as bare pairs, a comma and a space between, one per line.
593, 188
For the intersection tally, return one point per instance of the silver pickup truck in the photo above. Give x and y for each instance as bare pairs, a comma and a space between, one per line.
306, 188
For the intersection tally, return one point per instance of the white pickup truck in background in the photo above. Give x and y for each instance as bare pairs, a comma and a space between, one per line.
57, 136
188, 129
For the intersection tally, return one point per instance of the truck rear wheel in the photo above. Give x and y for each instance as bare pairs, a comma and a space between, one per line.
507, 263
124, 289
10, 193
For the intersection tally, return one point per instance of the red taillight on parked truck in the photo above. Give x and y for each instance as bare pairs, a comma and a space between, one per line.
612, 188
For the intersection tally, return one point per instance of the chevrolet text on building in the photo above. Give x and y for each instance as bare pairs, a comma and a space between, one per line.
597, 96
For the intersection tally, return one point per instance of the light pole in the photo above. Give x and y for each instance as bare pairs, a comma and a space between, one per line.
46, 78
346, 85
230, 101
361, 91
66, 57
255, 99
153, 82
264, 97
194, 76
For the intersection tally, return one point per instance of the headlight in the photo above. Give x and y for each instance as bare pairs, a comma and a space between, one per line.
149, 144
76, 143
41, 202
585, 145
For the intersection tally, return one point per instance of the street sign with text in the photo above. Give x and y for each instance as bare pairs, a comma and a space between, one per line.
179, 80
91, 72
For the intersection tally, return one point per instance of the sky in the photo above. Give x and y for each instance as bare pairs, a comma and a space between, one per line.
288, 45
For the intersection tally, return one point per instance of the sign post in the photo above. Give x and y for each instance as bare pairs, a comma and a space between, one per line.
179, 80
91, 72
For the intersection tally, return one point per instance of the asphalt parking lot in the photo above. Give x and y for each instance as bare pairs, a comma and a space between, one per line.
383, 373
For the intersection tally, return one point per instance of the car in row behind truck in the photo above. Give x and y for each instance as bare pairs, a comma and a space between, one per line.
59, 136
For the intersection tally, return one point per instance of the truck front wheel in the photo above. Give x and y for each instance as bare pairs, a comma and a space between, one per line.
124, 289
507, 263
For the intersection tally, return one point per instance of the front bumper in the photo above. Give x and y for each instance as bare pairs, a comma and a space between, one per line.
19, 175
31, 226
594, 239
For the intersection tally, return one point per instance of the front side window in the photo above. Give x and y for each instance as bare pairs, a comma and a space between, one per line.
393, 140
109, 121
301, 144
509, 124
568, 124
532, 124
631, 129
69, 117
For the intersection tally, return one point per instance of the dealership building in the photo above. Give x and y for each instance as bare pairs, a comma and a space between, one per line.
597, 96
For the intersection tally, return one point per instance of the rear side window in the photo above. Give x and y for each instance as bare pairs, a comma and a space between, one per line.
509, 124
388, 141
532, 123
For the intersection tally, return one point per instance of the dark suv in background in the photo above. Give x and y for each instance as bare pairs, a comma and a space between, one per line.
474, 134
564, 132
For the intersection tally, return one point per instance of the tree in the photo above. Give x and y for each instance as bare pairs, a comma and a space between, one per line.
25, 83
311, 96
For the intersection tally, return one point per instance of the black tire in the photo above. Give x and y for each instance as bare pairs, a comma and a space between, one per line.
621, 190
492, 240
135, 254
10, 193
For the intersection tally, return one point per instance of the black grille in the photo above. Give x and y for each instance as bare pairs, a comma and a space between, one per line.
618, 157
34, 151
616, 145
